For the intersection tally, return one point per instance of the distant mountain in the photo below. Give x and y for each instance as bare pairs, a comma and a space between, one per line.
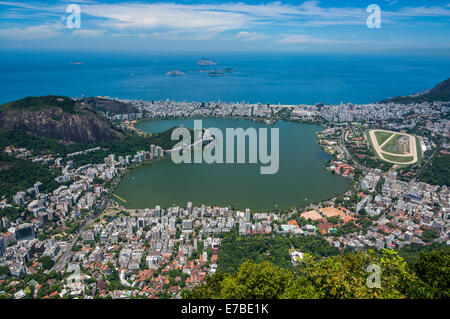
112, 106
57, 117
440, 92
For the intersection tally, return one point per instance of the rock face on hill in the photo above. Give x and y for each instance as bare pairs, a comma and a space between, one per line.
112, 106
440, 92
57, 117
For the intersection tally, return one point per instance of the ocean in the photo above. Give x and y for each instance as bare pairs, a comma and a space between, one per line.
266, 78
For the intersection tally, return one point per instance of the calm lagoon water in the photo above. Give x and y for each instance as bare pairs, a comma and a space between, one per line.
301, 177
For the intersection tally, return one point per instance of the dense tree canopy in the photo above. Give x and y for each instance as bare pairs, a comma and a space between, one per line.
19, 175
234, 250
344, 276
438, 172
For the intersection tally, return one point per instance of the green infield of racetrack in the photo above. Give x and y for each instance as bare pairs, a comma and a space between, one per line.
398, 159
419, 150
382, 136
391, 146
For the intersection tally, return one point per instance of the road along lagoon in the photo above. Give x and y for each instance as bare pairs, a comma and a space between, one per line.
301, 177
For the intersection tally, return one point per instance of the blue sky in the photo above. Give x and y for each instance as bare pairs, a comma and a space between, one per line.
329, 26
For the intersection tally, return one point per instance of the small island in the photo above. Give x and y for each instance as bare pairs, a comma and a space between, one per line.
205, 61
175, 73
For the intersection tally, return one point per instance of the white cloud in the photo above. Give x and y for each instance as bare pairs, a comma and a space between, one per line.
250, 36
178, 35
205, 21
166, 17
18, 5
174, 21
87, 32
30, 33
216, 18
391, 2
304, 39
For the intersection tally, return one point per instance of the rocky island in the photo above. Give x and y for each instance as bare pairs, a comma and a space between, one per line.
175, 73
205, 61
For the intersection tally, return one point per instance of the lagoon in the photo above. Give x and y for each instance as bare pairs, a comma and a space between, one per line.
301, 178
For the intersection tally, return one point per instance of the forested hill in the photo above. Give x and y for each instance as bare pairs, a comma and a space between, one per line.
57, 117
111, 106
441, 92
19, 175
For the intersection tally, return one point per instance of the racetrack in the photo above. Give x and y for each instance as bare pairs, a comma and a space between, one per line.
379, 148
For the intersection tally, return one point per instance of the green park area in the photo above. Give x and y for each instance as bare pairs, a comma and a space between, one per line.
382, 136
391, 146
398, 159
419, 150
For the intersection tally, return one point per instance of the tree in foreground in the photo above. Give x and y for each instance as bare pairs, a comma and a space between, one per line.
339, 277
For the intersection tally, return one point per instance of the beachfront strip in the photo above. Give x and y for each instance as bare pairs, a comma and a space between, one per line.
89, 245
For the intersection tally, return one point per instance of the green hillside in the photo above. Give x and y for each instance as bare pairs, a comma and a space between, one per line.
440, 92
19, 175
35, 103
